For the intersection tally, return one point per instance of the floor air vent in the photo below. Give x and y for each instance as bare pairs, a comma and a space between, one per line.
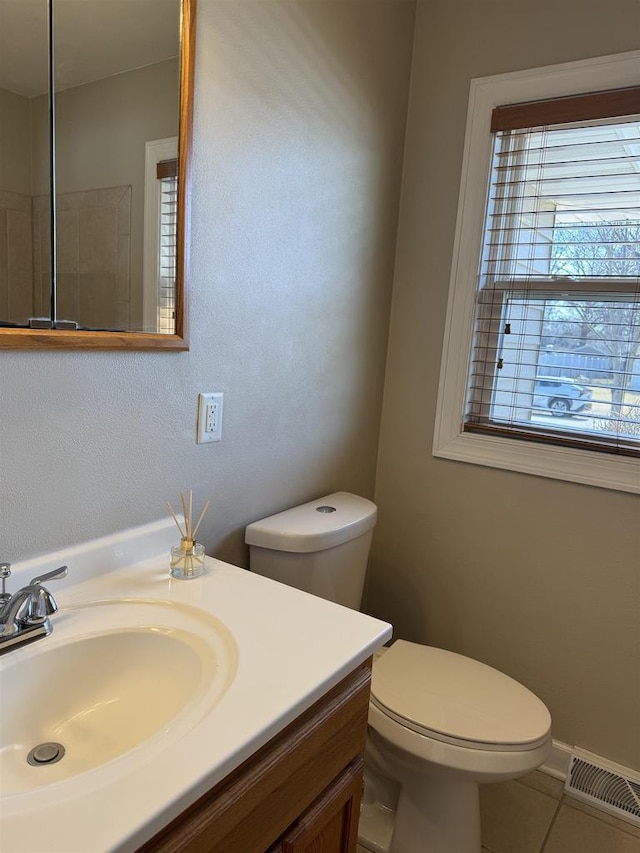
605, 786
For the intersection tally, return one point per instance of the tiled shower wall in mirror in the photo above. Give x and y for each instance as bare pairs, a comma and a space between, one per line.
94, 237
16, 256
93, 248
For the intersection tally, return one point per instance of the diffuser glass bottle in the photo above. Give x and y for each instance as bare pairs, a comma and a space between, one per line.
187, 558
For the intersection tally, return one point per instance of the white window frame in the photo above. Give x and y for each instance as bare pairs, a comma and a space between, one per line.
595, 468
156, 151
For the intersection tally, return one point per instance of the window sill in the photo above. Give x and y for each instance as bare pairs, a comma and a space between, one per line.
559, 463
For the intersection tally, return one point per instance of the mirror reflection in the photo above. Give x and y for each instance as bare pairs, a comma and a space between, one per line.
23, 144
116, 108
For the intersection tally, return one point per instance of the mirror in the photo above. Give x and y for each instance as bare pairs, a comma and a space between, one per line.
94, 172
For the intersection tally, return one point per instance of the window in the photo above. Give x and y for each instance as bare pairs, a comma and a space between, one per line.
541, 369
160, 235
167, 176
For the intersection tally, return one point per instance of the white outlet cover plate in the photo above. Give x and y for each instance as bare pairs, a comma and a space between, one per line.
209, 418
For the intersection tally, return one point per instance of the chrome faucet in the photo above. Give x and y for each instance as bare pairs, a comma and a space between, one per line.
24, 616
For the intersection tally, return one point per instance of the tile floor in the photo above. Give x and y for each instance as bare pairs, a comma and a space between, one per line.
532, 815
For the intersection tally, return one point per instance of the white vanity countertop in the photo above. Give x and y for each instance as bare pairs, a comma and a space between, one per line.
291, 649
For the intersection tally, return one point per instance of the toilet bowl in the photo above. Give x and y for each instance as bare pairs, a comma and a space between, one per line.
440, 723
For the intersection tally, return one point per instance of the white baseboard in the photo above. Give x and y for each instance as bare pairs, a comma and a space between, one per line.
557, 764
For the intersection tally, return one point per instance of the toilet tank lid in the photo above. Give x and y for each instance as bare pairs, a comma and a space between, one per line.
314, 526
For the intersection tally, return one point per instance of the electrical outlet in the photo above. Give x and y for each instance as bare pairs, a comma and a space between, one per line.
209, 418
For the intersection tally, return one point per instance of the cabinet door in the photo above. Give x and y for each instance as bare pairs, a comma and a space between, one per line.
330, 825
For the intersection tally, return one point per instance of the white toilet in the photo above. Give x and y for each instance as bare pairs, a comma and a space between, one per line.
439, 722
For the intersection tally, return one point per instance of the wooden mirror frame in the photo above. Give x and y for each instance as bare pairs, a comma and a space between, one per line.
63, 339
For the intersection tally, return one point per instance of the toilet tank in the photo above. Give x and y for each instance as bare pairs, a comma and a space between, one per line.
321, 547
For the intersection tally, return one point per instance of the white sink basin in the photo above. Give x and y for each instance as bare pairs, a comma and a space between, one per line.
154, 698
114, 677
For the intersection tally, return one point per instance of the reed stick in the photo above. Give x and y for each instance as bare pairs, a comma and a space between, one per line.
184, 514
206, 507
173, 515
189, 531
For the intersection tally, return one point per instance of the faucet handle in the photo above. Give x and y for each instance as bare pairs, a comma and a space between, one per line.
56, 574
40, 603
37, 607
5, 571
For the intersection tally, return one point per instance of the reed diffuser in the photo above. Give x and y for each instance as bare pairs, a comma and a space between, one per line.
187, 558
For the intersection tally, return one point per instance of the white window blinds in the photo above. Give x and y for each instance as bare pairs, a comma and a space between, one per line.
556, 353
168, 210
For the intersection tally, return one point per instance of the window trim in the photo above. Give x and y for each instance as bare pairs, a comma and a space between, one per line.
450, 440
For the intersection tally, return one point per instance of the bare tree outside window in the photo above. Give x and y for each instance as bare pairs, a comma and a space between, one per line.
600, 250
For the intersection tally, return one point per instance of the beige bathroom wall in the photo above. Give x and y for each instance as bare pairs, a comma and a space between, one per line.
299, 126
537, 577
40, 177
15, 143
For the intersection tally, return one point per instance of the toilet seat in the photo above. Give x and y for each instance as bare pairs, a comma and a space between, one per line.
457, 700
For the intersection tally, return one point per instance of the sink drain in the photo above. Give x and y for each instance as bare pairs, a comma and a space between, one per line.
45, 753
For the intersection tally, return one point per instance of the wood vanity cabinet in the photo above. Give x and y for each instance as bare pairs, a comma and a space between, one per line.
300, 793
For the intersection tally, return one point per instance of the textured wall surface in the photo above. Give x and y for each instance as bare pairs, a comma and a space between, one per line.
299, 127
537, 577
